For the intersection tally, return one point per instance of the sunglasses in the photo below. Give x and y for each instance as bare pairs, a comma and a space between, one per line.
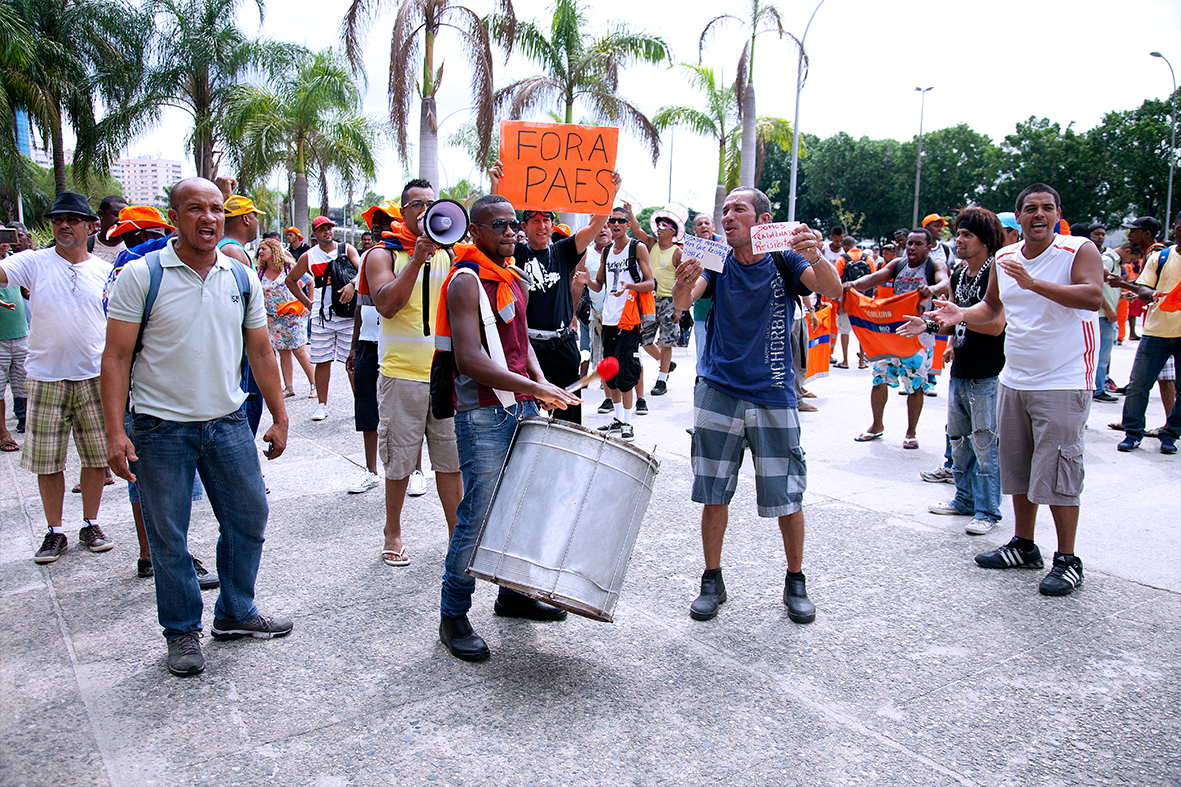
616, 220
500, 225
59, 218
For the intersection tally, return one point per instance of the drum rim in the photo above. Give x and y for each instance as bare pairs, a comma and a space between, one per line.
579, 428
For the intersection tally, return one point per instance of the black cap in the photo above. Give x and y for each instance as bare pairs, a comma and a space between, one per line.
1144, 223
70, 202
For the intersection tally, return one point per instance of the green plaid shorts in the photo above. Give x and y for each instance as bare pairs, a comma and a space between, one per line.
55, 407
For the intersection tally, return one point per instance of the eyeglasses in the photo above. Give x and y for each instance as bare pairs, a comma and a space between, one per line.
58, 218
419, 204
616, 220
500, 225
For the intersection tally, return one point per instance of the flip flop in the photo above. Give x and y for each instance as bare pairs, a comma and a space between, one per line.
9, 446
395, 558
809, 395
842, 365
866, 437
911, 443
807, 408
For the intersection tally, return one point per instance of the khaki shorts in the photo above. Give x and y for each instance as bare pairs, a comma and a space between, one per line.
55, 407
403, 419
1041, 444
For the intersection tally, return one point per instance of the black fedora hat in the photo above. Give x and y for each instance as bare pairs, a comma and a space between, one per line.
70, 202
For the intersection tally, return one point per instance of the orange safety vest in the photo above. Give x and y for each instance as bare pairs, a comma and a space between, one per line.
875, 320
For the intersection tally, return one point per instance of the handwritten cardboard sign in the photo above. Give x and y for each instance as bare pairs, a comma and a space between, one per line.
558, 167
772, 237
710, 253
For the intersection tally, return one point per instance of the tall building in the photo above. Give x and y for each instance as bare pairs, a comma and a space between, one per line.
144, 179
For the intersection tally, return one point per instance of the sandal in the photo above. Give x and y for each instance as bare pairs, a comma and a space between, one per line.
312, 395
805, 407
842, 365
288, 391
910, 443
9, 446
399, 558
866, 437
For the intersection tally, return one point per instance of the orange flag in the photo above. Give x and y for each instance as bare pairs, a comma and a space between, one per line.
874, 321
937, 359
820, 344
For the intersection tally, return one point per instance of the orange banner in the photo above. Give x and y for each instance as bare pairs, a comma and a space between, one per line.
874, 321
820, 344
558, 167
937, 358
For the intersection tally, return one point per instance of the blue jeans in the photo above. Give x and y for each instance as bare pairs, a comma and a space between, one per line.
972, 429
1106, 342
484, 436
1150, 359
223, 452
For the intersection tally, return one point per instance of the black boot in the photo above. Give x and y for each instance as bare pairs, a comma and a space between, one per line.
457, 636
713, 594
510, 604
795, 596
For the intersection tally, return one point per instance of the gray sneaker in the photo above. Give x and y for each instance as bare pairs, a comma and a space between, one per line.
94, 539
260, 628
51, 548
184, 655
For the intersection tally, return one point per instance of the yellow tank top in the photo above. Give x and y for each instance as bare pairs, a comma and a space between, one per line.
663, 269
407, 353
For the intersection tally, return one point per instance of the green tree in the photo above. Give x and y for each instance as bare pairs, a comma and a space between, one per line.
1130, 151
70, 55
960, 166
307, 120
1040, 151
412, 45
199, 56
581, 68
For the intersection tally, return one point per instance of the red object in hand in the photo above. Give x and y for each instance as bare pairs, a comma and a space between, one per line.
608, 368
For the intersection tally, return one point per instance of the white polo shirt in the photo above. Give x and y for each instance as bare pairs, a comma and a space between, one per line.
190, 365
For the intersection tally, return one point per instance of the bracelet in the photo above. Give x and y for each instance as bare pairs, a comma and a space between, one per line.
932, 326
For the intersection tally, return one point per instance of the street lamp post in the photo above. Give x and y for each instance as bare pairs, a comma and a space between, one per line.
795, 126
918, 167
1173, 142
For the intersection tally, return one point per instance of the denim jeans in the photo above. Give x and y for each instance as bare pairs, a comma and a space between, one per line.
484, 436
972, 429
1150, 359
224, 454
1106, 342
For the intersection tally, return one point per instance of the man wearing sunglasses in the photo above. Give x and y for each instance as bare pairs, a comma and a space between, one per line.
66, 341
558, 275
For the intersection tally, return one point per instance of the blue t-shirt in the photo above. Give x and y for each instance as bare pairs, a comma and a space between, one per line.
748, 351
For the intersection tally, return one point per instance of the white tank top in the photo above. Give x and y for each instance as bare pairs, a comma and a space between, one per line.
617, 273
1048, 347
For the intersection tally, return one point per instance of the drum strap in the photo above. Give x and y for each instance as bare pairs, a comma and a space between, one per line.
495, 349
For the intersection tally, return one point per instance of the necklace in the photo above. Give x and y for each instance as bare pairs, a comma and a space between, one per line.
966, 288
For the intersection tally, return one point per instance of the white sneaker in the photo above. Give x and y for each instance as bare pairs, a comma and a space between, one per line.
978, 527
947, 508
416, 486
321, 412
364, 483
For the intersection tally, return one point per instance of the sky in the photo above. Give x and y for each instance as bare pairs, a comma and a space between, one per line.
991, 65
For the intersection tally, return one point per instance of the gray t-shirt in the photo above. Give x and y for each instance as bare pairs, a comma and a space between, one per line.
190, 365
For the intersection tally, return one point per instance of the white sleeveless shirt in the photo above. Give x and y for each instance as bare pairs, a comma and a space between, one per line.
1048, 347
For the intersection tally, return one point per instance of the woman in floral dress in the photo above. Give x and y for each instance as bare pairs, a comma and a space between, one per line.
289, 332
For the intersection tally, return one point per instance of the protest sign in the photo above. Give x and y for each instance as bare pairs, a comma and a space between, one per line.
710, 253
558, 167
772, 237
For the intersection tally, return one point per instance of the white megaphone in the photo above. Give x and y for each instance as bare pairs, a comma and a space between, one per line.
445, 222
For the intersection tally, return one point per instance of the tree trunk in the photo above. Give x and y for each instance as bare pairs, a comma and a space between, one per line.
746, 176
719, 198
428, 144
59, 155
301, 203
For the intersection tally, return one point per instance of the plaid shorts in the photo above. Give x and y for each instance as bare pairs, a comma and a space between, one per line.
722, 427
56, 407
664, 323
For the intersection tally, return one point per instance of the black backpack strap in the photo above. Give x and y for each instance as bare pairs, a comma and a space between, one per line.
781, 264
929, 271
633, 265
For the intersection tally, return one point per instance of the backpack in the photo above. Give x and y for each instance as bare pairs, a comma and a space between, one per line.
633, 266
338, 273
854, 268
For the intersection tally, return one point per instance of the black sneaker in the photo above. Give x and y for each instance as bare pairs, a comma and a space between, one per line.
1168, 446
607, 406
143, 568
259, 628
51, 548
612, 428
660, 389
713, 595
795, 596
626, 432
94, 539
641, 406
205, 580
1103, 396
20, 425
672, 366
1065, 575
184, 655
1010, 556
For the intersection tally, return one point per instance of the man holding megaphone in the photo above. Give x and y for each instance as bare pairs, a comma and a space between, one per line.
558, 274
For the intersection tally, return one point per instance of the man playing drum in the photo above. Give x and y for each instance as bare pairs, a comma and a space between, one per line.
490, 397
745, 394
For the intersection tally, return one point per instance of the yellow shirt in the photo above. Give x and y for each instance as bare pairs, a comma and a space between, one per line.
663, 269
407, 353
1164, 325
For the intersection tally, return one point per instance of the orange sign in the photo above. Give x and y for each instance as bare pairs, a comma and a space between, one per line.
558, 167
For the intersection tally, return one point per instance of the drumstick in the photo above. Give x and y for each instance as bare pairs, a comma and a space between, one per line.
606, 370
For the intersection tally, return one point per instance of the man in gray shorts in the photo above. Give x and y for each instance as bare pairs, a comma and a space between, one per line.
1049, 289
745, 394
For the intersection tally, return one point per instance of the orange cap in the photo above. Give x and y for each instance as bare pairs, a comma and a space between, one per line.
138, 217
389, 208
932, 217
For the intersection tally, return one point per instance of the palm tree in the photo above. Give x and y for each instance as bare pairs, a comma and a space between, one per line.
764, 18
408, 49
578, 67
67, 55
308, 120
200, 55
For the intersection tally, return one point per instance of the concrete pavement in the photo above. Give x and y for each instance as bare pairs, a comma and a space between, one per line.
920, 668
